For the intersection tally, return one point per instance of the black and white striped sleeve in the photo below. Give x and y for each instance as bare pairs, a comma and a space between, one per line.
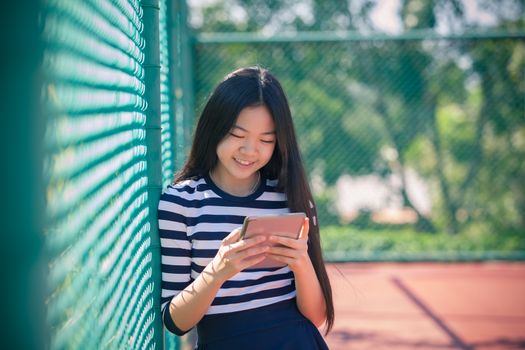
175, 252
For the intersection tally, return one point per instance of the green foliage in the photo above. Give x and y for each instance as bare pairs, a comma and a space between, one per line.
453, 110
406, 242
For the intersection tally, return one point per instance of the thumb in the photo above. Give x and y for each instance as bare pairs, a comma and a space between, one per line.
233, 236
305, 229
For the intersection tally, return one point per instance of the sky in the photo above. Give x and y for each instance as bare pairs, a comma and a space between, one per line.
384, 16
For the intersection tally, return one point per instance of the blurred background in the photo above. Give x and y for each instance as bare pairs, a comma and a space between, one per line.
410, 115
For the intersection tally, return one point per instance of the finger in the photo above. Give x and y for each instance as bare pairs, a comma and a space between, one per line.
248, 262
249, 257
237, 253
282, 251
233, 236
289, 242
255, 239
305, 229
246, 243
235, 260
284, 259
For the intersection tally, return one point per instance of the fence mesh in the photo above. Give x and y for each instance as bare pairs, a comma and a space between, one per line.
422, 131
167, 115
98, 233
419, 130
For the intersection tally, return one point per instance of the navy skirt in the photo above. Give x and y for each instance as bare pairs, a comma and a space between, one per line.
278, 326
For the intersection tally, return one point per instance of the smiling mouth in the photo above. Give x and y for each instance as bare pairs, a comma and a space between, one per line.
243, 162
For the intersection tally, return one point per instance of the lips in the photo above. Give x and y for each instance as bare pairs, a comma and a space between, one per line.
243, 162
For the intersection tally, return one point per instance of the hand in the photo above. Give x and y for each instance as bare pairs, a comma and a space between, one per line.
293, 252
235, 255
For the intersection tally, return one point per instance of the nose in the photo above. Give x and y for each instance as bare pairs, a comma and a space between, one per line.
249, 146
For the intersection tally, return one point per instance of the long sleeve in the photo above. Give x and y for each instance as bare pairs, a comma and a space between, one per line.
175, 253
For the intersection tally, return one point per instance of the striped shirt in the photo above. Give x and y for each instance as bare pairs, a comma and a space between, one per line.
194, 217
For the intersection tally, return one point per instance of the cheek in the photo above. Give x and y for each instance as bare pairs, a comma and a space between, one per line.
222, 151
224, 147
268, 152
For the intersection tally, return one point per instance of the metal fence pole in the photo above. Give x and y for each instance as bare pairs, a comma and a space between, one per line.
182, 79
22, 271
153, 141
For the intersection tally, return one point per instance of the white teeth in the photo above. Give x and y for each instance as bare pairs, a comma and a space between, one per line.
243, 162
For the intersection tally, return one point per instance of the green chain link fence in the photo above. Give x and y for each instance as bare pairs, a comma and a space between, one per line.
421, 131
109, 149
417, 132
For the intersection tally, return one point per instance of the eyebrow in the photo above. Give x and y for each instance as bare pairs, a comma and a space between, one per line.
243, 129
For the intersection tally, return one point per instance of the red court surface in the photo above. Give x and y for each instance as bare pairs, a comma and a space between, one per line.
477, 306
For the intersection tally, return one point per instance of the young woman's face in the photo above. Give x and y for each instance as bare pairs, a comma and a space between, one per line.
247, 147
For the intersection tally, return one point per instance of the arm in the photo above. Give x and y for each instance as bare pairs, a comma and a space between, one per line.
189, 306
310, 300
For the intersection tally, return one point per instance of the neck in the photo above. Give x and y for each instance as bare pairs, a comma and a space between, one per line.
236, 189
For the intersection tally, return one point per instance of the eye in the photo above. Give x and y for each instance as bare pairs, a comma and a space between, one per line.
235, 135
267, 141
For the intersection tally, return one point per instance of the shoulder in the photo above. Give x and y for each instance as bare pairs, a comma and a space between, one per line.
272, 184
183, 192
184, 188
272, 191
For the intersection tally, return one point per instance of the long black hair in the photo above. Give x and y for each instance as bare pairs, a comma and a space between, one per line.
251, 87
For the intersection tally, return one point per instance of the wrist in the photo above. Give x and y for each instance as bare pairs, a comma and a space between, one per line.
302, 266
213, 275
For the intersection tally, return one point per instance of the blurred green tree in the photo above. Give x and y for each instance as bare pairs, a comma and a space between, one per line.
451, 109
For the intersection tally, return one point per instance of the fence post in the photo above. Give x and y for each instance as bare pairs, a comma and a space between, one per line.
22, 258
182, 79
153, 142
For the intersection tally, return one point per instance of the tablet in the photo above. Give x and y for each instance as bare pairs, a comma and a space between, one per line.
287, 225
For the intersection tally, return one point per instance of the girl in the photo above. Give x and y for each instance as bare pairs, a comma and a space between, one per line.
244, 161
